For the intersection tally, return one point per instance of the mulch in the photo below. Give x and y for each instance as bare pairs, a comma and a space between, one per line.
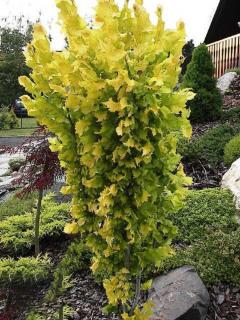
203, 175
225, 303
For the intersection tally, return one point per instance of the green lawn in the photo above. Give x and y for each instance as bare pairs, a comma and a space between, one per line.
16, 132
29, 125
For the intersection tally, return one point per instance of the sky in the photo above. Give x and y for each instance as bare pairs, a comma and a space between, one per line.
197, 15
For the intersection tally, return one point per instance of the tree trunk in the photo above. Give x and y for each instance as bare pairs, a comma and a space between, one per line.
61, 312
37, 222
137, 293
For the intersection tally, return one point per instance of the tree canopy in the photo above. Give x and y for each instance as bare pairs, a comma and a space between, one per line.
12, 61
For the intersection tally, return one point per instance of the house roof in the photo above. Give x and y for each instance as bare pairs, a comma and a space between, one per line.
225, 21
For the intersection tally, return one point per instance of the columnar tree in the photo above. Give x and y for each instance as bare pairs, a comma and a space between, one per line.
110, 99
207, 104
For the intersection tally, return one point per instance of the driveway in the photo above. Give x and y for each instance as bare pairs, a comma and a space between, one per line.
12, 141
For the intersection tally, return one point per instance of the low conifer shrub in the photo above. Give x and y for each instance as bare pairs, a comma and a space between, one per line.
207, 104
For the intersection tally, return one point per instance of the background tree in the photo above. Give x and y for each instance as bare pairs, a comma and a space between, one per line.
12, 62
207, 104
187, 52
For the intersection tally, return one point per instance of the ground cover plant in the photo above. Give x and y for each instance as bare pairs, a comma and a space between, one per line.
115, 124
232, 150
15, 164
232, 115
76, 258
209, 147
24, 271
205, 211
208, 237
17, 238
17, 231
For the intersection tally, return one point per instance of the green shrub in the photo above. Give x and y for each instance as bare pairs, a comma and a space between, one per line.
208, 237
67, 313
207, 104
8, 119
118, 149
14, 205
232, 115
232, 150
35, 316
16, 163
24, 271
210, 146
17, 232
237, 70
205, 211
216, 258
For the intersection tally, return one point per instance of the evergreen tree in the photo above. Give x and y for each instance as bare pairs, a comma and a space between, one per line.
207, 104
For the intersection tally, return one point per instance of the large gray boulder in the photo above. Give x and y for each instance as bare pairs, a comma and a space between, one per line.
179, 295
224, 82
231, 181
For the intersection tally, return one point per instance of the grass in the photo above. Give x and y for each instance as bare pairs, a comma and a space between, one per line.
16, 133
17, 206
28, 127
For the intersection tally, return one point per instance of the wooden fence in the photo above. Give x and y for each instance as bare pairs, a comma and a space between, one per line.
225, 54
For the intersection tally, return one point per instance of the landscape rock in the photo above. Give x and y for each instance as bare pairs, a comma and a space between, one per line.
179, 295
231, 98
224, 82
231, 181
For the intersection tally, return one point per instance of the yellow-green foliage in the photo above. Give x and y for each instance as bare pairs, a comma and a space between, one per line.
17, 232
27, 270
110, 99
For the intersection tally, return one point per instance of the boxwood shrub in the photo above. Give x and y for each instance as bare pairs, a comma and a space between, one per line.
205, 212
232, 150
209, 237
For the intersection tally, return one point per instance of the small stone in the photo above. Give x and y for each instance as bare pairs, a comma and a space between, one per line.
224, 82
231, 181
220, 299
75, 316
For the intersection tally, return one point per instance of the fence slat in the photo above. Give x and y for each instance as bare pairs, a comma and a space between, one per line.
225, 54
